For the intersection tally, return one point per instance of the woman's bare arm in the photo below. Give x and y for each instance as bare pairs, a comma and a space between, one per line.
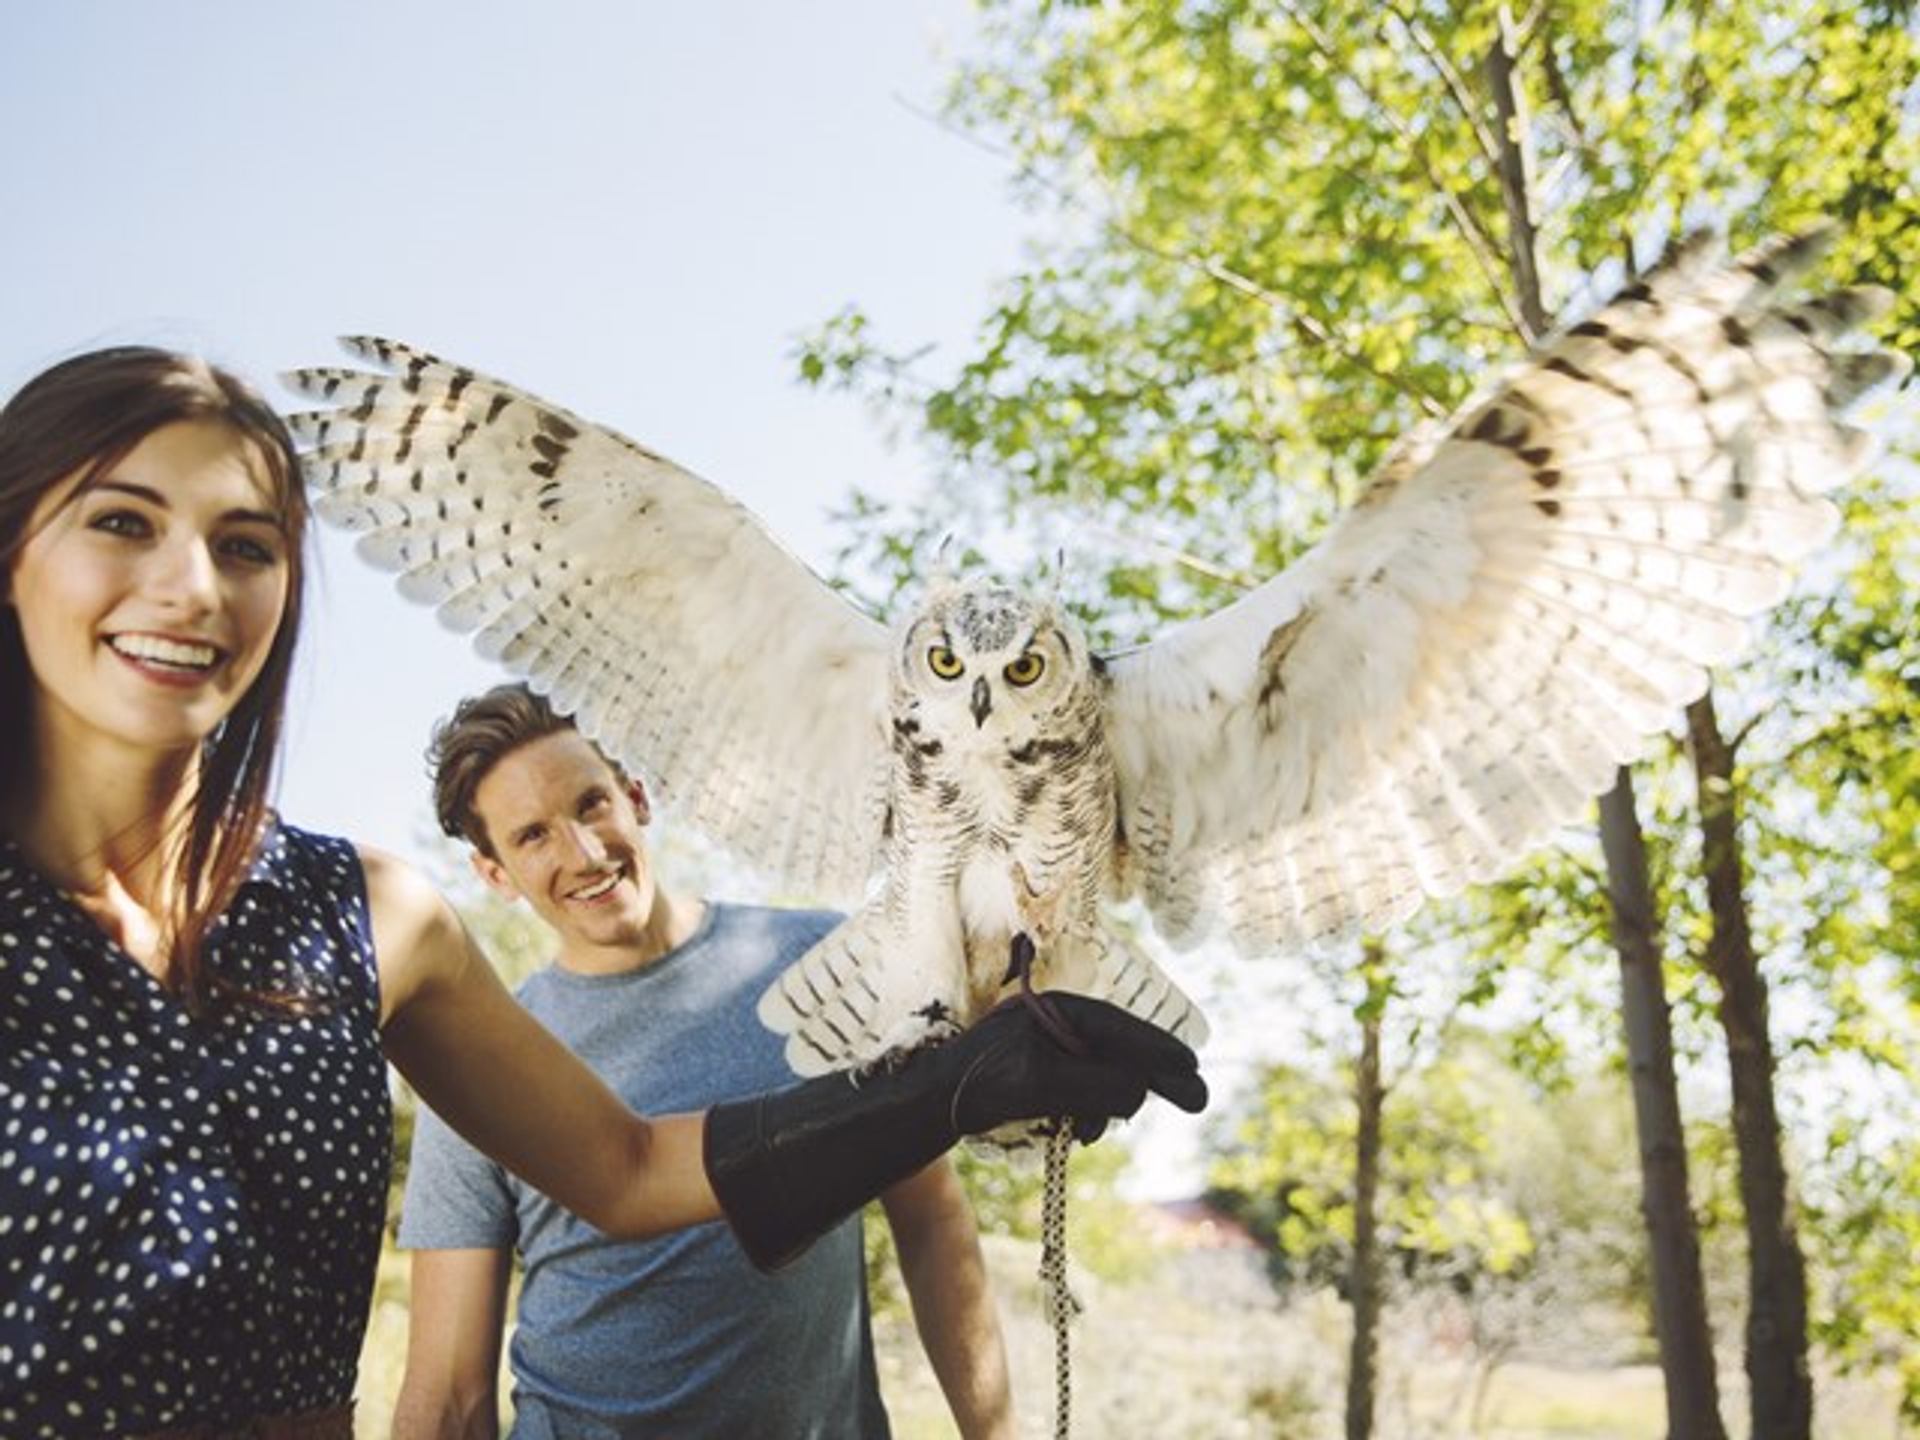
503, 1082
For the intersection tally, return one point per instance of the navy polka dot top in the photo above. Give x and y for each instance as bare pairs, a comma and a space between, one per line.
190, 1208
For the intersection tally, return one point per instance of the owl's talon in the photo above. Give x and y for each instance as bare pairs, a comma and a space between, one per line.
932, 1024
1020, 966
882, 1065
1052, 1021
1044, 1010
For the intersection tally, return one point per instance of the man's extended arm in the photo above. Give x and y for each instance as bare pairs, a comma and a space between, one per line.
457, 1309
946, 1278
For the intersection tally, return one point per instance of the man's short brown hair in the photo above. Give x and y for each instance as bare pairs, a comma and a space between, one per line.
482, 731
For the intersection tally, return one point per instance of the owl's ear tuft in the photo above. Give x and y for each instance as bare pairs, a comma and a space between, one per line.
940, 573
1050, 575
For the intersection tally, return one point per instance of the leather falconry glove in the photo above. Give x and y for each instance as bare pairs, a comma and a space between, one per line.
790, 1165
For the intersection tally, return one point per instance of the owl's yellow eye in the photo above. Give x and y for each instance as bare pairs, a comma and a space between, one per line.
1026, 669
944, 663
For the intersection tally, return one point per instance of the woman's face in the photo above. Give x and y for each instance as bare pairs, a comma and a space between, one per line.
149, 600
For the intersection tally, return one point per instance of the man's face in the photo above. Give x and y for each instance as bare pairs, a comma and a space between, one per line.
566, 837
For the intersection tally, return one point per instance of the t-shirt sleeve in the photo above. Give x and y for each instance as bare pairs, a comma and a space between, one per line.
457, 1199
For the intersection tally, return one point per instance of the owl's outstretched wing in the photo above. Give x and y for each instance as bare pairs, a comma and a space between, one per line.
1499, 622
638, 597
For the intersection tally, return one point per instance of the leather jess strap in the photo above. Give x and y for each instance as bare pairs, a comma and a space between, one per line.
333, 1423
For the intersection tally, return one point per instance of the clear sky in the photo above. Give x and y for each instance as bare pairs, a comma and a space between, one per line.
632, 209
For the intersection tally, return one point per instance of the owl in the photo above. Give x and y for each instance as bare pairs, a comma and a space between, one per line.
1515, 604
1001, 818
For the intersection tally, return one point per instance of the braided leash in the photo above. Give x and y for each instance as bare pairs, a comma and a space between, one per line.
1060, 1302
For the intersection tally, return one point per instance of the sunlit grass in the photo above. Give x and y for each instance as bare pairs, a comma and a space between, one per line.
1166, 1356
384, 1355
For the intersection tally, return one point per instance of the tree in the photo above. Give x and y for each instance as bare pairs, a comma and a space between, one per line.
1500, 1208
1292, 231
1363, 1284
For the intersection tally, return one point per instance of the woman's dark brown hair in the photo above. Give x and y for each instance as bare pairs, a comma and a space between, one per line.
81, 418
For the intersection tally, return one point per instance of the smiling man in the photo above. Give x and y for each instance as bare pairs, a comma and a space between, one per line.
683, 1335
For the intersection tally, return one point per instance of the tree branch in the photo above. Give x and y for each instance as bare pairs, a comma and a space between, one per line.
1524, 32
1739, 736
1866, 720
1563, 96
1478, 243
1516, 178
1172, 555
1213, 268
1455, 83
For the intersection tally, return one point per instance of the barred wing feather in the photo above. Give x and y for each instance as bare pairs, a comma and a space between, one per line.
1499, 622
634, 594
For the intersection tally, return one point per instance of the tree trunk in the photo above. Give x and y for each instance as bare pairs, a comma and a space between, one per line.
1679, 1294
1516, 177
1364, 1281
1780, 1387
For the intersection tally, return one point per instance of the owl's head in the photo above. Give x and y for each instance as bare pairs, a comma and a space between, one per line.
985, 666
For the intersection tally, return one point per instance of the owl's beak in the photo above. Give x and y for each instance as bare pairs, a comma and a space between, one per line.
982, 703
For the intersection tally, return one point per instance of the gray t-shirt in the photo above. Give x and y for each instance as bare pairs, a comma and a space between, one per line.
676, 1336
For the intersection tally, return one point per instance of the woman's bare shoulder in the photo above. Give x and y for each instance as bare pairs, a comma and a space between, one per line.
416, 933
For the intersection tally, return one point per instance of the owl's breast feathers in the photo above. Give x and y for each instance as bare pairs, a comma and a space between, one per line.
1042, 798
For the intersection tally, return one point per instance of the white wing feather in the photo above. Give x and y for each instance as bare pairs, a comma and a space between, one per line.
635, 595
1465, 658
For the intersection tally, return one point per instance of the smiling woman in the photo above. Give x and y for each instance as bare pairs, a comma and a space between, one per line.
91, 454
198, 1001
166, 572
